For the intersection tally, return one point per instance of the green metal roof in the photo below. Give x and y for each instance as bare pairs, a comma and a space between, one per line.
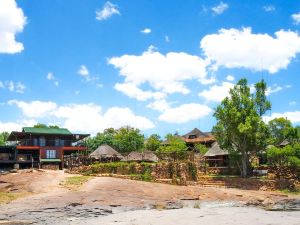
50, 160
46, 130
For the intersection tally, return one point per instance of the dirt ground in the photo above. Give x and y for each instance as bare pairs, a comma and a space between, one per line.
46, 198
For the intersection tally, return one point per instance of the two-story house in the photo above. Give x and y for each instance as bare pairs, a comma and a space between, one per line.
46, 147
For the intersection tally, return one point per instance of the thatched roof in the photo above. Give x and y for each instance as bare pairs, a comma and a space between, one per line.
215, 150
197, 136
284, 143
105, 151
146, 156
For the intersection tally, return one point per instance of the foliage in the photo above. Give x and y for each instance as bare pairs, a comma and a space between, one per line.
288, 156
3, 138
281, 129
125, 139
41, 125
174, 144
153, 142
107, 137
239, 127
75, 182
201, 148
192, 169
128, 139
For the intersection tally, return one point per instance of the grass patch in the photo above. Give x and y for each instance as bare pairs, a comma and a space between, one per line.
75, 182
290, 192
6, 197
197, 205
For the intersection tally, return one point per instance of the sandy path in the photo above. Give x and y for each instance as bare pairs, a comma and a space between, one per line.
50, 203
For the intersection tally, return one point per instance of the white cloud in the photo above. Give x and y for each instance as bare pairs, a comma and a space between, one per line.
296, 18
234, 48
219, 9
107, 11
185, 113
13, 126
163, 73
12, 21
294, 117
217, 93
34, 109
88, 118
83, 71
269, 8
50, 76
132, 91
13, 86
230, 78
146, 31
159, 105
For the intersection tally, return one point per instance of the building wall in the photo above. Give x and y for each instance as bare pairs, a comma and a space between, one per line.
59, 152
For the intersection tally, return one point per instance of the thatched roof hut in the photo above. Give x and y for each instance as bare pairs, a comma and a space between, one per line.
197, 136
284, 143
105, 152
145, 156
215, 150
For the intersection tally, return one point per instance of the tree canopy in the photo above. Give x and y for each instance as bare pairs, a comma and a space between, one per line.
174, 144
240, 128
153, 142
125, 139
281, 129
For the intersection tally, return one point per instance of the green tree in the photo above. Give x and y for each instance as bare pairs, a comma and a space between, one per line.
3, 138
174, 145
239, 127
288, 156
281, 129
106, 137
153, 142
201, 148
128, 139
40, 125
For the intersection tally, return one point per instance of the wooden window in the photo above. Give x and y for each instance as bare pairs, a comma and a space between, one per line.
50, 154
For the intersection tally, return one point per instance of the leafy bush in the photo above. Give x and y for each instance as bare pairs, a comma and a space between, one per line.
281, 157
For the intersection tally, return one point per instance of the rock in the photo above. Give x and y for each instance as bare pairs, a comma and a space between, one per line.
174, 205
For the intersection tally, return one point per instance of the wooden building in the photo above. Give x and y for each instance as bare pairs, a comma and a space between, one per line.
196, 136
43, 147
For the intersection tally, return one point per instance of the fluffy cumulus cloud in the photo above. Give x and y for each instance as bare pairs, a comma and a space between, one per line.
34, 109
13, 126
296, 18
13, 86
233, 48
88, 118
217, 93
185, 113
159, 105
294, 116
220, 8
12, 21
132, 91
109, 9
163, 73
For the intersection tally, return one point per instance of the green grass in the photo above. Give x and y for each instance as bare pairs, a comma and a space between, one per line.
6, 197
75, 182
290, 192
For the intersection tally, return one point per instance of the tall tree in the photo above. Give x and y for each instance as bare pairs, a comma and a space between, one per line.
239, 127
106, 137
153, 142
128, 139
281, 129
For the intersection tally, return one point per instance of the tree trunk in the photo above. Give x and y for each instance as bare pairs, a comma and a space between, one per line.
244, 171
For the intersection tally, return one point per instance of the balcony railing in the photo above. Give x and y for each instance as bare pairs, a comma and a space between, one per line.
49, 143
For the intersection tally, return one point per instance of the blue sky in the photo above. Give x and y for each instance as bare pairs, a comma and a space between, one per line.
161, 66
